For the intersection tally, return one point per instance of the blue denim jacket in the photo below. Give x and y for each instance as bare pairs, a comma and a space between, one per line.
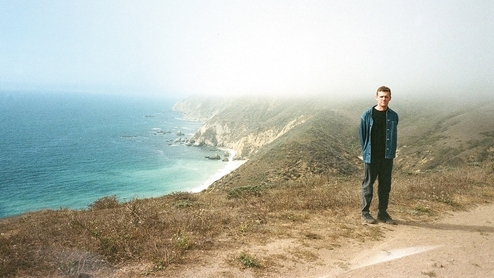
391, 134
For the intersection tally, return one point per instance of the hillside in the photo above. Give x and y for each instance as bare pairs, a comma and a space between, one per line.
292, 207
298, 137
450, 134
323, 145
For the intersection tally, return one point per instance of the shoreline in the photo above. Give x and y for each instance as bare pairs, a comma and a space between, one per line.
230, 166
130, 156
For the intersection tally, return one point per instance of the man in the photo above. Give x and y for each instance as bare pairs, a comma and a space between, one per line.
378, 139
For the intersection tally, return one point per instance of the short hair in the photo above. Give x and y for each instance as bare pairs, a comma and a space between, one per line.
383, 89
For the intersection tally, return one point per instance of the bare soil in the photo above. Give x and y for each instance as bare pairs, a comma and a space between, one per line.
461, 244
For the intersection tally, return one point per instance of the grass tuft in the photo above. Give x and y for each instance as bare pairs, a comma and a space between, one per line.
248, 260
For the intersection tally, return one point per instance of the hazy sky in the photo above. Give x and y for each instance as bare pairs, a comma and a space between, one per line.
244, 47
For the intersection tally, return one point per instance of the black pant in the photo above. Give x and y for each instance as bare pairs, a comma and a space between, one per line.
381, 169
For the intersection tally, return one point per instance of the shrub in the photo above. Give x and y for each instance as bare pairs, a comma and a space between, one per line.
107, 202
182, 240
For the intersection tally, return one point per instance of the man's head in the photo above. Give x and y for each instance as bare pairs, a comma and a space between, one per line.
383, 89
383, 96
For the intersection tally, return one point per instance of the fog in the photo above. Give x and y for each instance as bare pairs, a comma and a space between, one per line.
339, 48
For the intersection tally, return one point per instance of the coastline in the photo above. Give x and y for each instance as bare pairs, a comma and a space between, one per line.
131, 155
229, 167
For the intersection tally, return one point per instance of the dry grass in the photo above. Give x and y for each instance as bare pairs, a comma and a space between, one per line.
162, 235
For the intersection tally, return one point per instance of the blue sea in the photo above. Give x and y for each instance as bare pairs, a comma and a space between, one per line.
66, 150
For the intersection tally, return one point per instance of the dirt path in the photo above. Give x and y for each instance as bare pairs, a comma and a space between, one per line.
459, 245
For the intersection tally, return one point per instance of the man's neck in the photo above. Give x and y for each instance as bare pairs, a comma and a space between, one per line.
380, 108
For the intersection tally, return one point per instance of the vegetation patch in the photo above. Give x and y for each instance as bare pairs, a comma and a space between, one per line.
248, 260
105, 203
245, 191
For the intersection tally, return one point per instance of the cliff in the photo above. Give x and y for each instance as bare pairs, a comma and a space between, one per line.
245, 124
283, 138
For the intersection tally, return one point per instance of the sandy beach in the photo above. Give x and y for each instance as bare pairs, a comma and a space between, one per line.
229, 167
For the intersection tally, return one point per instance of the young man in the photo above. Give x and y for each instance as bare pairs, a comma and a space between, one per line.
378, 139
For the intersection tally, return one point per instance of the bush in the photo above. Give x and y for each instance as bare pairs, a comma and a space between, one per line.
107, 202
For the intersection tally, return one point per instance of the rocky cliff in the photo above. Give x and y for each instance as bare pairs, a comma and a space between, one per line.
283, 138
245, 124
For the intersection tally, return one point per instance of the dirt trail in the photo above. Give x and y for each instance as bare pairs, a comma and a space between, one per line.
459, 245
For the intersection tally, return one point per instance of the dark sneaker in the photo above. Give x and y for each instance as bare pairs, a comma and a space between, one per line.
368, 219
384, 217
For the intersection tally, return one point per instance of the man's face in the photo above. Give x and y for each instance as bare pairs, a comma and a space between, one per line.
383, 99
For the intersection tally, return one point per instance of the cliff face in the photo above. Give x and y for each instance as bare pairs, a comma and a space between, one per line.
245, 124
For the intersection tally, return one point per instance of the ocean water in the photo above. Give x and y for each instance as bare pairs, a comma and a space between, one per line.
66, 150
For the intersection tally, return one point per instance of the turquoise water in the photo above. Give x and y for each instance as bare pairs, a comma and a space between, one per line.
68, 150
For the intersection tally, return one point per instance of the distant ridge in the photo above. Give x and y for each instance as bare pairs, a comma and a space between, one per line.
292, 138
200, 108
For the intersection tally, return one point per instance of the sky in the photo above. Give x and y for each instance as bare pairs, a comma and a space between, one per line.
231, 47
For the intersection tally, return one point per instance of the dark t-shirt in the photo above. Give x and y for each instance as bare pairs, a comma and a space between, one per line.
378, 134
